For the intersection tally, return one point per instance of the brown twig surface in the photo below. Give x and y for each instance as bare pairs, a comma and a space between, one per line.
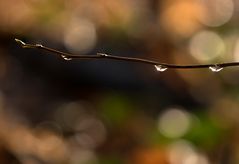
158, 65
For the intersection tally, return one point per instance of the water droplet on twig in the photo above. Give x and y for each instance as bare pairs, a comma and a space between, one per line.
102, 54
215, 68
160, 68
39, 45
66, 57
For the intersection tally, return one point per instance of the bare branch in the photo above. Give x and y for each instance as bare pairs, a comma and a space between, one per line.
158, 65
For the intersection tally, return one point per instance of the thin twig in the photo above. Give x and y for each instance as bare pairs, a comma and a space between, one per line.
159, 66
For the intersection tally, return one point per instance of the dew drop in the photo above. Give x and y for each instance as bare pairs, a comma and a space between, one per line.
39, 45
215, 68
102, 54
160, 68
66, 57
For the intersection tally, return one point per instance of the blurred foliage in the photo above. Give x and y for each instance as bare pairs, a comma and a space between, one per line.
116, 109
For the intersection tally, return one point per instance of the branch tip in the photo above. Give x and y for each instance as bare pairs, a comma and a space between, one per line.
20, 42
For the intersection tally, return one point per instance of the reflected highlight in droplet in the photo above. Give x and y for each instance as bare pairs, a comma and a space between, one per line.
215, 68
39, 45
66, 57
160, 68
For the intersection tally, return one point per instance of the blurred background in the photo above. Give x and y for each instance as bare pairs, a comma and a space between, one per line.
54, 111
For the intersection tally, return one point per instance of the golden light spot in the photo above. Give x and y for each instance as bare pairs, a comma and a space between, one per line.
181, 18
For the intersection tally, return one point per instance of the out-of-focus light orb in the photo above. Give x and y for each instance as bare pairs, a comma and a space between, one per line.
206, 46
68, 114
15, 17
171, 18
50, 127
236, 51
174, 123
183, 152
83, 157
92, 132
216, 12
80, 36
87, 130
196, 158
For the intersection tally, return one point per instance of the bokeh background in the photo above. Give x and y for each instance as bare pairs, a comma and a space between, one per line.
54, 111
